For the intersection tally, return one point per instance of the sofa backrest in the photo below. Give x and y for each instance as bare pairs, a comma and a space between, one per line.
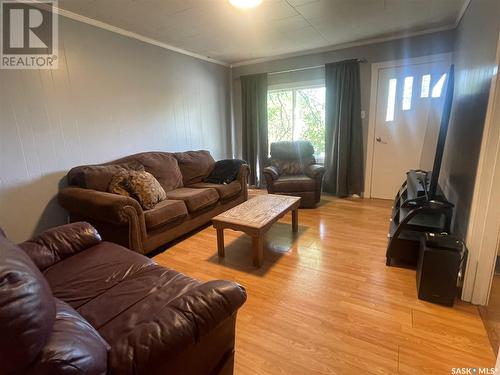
292, 157
27, 309
195, 165
162, 165
97, 177
172, 170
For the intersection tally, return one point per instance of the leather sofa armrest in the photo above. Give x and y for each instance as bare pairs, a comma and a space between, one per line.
59, 243
314, 170
196, 313
112, 208
272, 171
208, 304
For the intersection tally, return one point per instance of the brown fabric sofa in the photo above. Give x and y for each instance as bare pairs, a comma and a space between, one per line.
190, 202
72, 304
293, 171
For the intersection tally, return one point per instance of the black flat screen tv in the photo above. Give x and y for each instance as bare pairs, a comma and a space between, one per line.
443, 130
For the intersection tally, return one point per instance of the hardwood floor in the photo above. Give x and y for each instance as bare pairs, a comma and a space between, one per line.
324, 302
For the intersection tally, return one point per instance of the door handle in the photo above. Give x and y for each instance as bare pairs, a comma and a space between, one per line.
379, 140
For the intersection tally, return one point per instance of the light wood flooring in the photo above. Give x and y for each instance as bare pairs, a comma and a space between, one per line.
324, 301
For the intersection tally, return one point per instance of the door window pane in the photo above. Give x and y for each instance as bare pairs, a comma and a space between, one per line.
407, 92
426, 86
438, 87
391, 100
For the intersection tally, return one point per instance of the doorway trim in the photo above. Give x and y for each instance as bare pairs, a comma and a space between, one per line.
370, 145
483, 231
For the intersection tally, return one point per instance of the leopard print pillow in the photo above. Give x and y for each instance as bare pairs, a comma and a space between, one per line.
140, 185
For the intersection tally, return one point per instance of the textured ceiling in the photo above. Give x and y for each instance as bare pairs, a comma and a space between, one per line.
215, 29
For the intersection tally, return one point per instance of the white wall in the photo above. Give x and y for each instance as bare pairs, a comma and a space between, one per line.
111, 96
474, 58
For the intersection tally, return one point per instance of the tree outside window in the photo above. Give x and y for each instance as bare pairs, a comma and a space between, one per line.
298, 114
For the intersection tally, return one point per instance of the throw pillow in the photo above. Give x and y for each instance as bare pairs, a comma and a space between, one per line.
140, 185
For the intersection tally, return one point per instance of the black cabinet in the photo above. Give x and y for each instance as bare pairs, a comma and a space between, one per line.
414, 214
439, 263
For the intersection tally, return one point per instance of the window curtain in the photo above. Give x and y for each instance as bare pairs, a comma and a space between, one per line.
343, 144
254, 124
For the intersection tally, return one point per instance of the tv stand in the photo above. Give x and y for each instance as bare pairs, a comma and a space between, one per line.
414, 213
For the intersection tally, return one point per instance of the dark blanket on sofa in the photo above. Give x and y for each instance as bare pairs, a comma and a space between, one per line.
225, 171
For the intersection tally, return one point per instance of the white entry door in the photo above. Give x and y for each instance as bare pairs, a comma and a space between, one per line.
408, 112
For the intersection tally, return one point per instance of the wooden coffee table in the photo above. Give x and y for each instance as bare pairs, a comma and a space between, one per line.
254, 217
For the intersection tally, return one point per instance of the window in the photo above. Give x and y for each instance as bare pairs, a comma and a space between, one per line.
407, 92
298, 114
438, 87
391, 100
426, 85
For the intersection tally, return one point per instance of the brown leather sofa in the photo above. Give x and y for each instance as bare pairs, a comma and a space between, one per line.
190, 202
293, 171
72, 304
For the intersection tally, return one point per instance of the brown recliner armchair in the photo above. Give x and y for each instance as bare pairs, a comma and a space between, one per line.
293, 171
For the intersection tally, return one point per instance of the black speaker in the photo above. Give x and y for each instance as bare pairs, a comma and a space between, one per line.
439, 263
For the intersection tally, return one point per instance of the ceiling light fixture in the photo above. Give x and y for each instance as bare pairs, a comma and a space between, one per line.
245, 4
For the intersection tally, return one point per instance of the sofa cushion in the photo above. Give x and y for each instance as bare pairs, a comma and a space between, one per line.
195, 199
27, 309
162, 165
225, 191
98, 177
86, 275
292, 183
107, 279
140, 185
195, 165
74, 346
165, 212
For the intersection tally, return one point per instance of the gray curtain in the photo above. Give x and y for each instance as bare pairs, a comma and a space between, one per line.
254, 113
344, 147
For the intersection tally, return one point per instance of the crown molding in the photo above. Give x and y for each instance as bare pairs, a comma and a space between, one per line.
129, 34
462, 12
336, 47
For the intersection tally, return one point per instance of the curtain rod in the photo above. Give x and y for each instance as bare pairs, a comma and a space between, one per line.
309, 67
